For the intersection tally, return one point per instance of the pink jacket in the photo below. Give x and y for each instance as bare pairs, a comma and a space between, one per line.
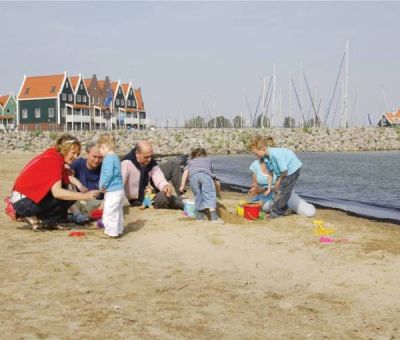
131, 178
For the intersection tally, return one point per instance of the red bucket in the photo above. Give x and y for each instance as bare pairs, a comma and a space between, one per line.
252, 210
96, 214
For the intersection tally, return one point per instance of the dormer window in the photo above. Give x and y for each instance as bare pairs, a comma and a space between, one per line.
27, 90
53, 89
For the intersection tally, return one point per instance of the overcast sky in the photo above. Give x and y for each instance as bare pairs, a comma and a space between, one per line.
189, 58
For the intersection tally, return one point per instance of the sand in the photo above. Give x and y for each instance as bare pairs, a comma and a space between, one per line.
170, 277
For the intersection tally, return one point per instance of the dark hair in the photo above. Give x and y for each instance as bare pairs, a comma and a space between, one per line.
198, 152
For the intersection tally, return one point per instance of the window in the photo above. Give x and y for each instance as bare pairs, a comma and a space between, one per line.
84, 99
51, 112
81, 87
70, 97
78, 98
25, 113
37, 113
64, 96
66, 84
122, 101
128, 102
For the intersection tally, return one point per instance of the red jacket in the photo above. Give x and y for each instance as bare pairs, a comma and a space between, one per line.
40, 174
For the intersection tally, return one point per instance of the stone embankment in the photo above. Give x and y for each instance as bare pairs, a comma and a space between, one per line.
220, 141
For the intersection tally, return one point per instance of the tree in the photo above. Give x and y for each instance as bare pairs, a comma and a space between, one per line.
195, 122
289, 122
219, 122
262, 121
238, 122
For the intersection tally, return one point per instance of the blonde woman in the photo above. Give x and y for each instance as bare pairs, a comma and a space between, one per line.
40, 195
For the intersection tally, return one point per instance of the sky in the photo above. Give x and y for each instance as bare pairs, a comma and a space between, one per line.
210, 58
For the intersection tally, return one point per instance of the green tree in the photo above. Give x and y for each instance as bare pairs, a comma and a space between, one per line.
289, 122
238, 122
195, 122
262, 121
219, 122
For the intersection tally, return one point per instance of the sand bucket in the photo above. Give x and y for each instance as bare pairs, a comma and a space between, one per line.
252, 210
188, 208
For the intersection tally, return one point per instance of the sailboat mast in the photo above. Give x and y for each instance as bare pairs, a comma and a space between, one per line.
273, 99
346, 87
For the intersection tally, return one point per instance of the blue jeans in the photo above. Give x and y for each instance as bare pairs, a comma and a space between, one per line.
203, 188
281, 197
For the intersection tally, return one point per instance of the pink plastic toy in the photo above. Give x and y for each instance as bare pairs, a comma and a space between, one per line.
324, 239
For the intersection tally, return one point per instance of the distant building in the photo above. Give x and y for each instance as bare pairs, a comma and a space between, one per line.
390, 119
63, 102
44, 101
78, 114
8, 112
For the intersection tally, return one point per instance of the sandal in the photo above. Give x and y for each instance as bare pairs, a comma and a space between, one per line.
34, 223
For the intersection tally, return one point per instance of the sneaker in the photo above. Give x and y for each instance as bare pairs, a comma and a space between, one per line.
288, 212
79, 218
200, 216
214, 217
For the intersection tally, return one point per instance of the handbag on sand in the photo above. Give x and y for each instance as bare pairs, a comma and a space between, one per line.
9, 209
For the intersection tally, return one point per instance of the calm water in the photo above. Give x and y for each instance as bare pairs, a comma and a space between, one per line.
365, 183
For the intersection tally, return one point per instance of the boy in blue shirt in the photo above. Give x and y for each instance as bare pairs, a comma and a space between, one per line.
285, 165
111, 184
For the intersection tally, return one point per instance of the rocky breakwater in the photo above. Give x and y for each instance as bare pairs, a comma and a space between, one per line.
220, 141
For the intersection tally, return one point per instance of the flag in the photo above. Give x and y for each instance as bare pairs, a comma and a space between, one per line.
108, 99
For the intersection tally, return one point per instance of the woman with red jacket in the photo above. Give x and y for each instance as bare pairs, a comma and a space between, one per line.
40, 193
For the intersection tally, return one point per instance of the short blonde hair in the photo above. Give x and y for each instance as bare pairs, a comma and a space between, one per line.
107, 139
258, 142
65, 142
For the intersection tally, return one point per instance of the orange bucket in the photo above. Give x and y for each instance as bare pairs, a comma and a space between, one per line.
252, 210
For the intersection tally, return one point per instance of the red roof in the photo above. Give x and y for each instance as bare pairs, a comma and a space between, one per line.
139, 99
3, 100
393, 117
114, 85
41, 87
87, 82
74, 82
125, 88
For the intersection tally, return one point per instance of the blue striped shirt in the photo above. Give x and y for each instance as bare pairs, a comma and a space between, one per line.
200, 164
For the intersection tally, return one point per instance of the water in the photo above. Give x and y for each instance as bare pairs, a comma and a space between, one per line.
364, 183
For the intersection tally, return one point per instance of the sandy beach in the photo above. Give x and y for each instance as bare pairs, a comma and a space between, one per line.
170, 277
